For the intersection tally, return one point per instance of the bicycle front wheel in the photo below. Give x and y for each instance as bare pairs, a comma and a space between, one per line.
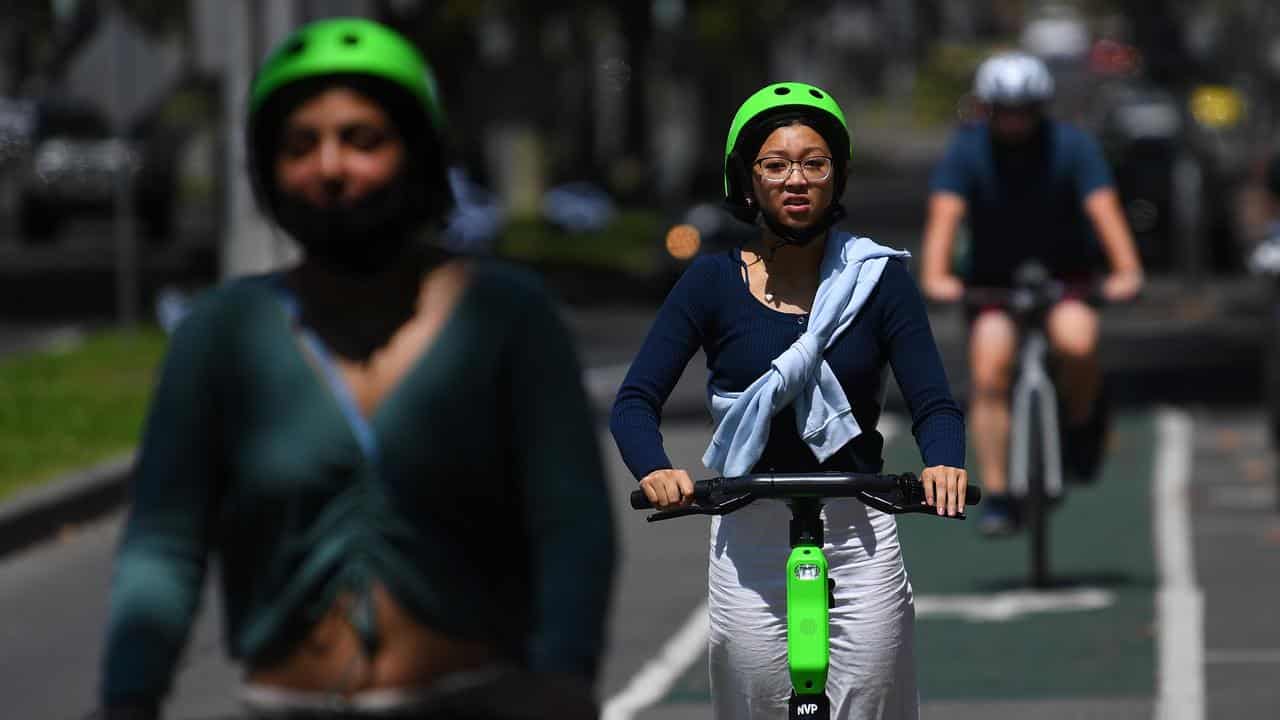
1037, 502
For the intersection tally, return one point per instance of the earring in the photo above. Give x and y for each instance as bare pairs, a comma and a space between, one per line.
750, 201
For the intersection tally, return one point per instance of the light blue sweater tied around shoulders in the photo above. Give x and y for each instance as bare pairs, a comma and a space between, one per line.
850, 269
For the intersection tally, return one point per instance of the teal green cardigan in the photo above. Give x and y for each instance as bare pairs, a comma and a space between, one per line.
485, 512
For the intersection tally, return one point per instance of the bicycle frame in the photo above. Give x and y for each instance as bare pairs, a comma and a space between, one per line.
1034, 387
1035, 462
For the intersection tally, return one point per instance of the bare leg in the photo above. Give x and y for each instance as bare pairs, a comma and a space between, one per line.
1073, 334
992, 343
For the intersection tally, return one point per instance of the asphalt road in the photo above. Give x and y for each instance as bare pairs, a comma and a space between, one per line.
1093, 646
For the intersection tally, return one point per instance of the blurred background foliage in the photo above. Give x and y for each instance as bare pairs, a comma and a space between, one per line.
633, 98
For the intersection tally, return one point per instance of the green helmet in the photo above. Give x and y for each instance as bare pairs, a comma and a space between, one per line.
776, 100
348, 45
354, 48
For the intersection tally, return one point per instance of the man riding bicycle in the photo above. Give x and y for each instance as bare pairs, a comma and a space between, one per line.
1031, 188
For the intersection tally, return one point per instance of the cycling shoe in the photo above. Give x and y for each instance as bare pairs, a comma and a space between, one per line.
999, 516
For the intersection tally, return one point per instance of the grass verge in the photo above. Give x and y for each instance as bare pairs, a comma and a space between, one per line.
630, 244
66, 408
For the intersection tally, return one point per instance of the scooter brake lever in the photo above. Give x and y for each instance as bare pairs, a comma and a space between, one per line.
724, 507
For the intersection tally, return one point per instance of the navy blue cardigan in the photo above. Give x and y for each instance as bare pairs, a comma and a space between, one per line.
711, 308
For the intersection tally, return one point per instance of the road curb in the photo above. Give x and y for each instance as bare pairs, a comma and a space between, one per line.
76, 497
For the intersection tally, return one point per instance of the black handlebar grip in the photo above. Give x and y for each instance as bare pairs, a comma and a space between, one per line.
972, 495
640, 501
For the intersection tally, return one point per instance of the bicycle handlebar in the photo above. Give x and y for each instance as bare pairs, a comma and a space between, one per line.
722, 495
1030, 299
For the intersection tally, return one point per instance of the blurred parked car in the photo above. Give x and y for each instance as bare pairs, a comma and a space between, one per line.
73, 165
17, 121
578, 207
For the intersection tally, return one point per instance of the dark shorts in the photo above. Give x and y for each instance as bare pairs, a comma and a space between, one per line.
1075, 287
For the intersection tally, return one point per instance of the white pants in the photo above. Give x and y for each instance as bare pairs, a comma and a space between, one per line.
872, 674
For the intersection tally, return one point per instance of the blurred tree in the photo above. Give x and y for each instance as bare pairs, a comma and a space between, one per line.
446, 32
1158, 32
636, 21
928, 28
24, 37
41, 42
587, 77
729, 53
509, 64
156, 17
583, 102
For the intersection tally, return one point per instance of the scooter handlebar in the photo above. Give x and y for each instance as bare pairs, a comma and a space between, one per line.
807, 485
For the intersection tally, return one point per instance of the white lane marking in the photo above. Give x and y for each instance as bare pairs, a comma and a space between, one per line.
657, 676
1243, 657
1179, 602
683, 649
1012, 605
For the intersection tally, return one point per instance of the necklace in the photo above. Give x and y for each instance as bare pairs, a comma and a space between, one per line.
768, 297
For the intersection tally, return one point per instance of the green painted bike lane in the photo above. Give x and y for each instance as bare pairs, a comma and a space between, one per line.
1101, 545
1101, 540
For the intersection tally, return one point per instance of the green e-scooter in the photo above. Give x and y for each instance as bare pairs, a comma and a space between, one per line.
810, 592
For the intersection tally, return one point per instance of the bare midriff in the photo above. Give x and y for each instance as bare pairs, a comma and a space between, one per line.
332, 659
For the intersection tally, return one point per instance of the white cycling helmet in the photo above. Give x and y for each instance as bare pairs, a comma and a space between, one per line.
1013, 78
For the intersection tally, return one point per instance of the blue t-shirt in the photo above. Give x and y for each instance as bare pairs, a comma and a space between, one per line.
1026, 203
711, 308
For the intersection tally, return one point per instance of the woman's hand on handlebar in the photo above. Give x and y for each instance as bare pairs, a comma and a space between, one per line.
668, 488
1122, 286
944, 488
943, 288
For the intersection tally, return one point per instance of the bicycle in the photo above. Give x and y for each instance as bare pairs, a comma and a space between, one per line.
1035, 468
810, 592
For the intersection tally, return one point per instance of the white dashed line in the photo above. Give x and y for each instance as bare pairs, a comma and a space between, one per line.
1179, 602
657, 676
1013, 605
